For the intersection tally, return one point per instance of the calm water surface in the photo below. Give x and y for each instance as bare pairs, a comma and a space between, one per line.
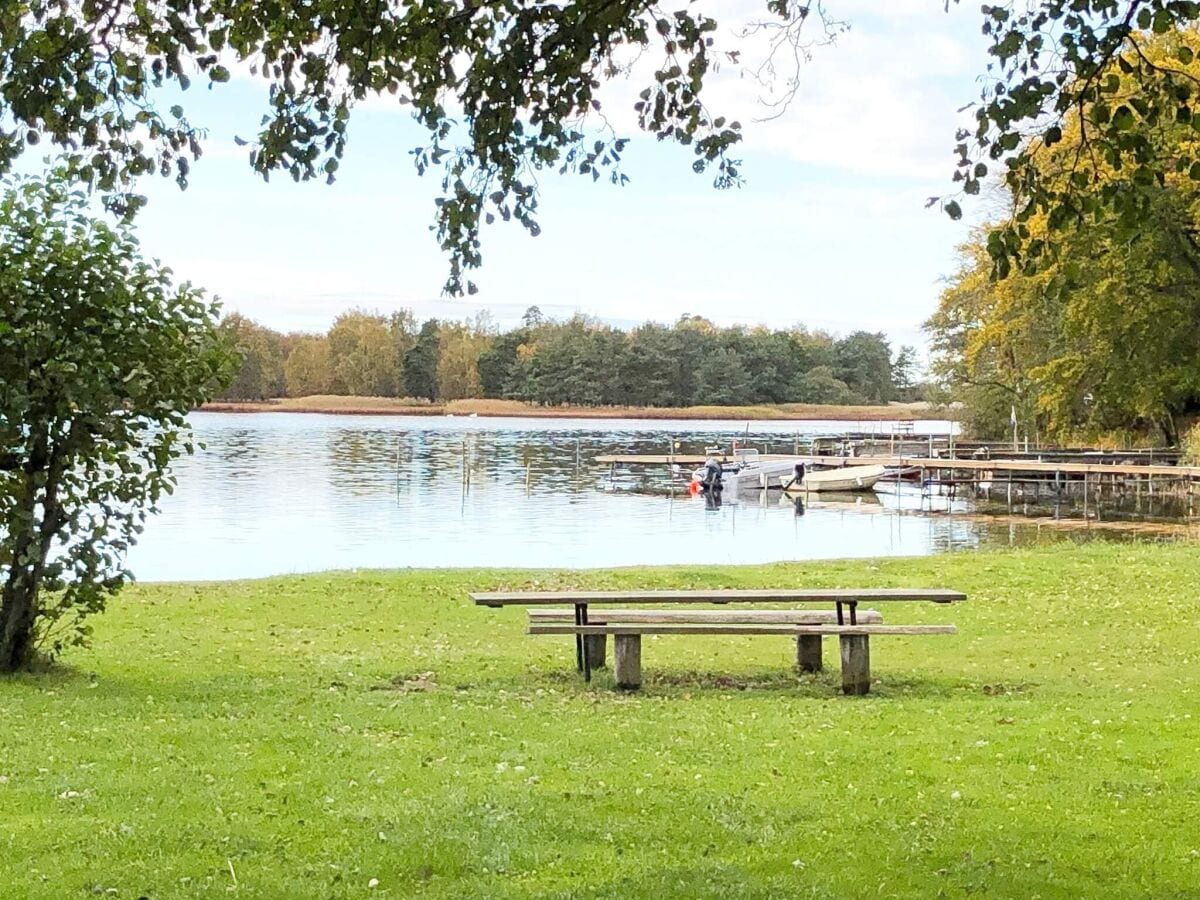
277, 493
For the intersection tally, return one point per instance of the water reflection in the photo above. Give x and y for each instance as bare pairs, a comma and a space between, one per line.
277, 493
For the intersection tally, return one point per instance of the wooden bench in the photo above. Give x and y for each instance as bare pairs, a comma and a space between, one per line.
628, 627
808, 647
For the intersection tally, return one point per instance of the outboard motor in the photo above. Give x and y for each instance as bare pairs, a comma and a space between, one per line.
711, 483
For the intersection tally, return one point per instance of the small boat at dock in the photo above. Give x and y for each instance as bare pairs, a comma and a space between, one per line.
748, 470
846, 478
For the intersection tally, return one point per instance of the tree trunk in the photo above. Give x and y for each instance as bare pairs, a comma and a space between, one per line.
31, 546
17, 617
19, 597
1169, 430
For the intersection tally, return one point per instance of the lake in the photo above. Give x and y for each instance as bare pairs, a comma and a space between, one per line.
278, 493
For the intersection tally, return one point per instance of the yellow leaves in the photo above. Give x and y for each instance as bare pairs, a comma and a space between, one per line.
457, 365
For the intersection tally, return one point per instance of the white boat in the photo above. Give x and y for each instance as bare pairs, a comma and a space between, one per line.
848, 478
747, 471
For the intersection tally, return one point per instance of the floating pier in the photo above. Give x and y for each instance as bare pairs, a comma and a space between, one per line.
1125, 471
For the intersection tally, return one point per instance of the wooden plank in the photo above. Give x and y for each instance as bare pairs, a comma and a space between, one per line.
809, 595
632, 628
704, 616
657, 459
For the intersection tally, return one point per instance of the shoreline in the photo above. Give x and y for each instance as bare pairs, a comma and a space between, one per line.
379, 406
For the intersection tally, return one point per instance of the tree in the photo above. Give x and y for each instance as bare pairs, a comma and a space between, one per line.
459, 348
309, 367
362, 349
260, 375
497, 364
904, 373
1112, 72
505, 91
649, 370
820, 385
403, 326
723, 380
1110, 345
864, 362
101, 358
533, 317
421, 362
1104, 332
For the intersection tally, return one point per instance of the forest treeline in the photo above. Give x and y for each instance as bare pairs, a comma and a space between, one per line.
580, 361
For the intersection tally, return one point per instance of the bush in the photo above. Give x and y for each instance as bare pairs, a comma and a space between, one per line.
1190, 445
101, 358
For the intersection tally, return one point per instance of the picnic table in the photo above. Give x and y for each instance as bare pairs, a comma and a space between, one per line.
852, 626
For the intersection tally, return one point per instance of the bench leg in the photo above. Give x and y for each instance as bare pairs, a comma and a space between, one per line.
628, 660
596, 648
808, 652
856, 664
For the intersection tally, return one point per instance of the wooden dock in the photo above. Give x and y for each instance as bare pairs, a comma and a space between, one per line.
1039, 467
674, 459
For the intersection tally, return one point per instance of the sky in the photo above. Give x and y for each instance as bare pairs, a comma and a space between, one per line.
829, 231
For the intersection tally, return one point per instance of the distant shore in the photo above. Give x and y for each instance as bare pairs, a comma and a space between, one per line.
375, 406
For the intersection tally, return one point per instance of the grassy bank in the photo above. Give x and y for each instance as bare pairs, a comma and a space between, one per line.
514, 408
370, 734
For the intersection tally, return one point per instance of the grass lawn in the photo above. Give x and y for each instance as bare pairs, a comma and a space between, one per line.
371, 734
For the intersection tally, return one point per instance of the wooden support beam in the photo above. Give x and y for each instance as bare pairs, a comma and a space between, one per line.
856, 664
808, 652
628, 661
596, 648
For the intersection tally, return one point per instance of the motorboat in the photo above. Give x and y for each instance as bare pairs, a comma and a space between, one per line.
748, 470
847, 478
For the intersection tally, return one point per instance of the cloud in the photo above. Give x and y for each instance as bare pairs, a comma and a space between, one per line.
880, 100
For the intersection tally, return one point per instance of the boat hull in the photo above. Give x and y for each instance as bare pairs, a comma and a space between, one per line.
850, 478
759, 475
